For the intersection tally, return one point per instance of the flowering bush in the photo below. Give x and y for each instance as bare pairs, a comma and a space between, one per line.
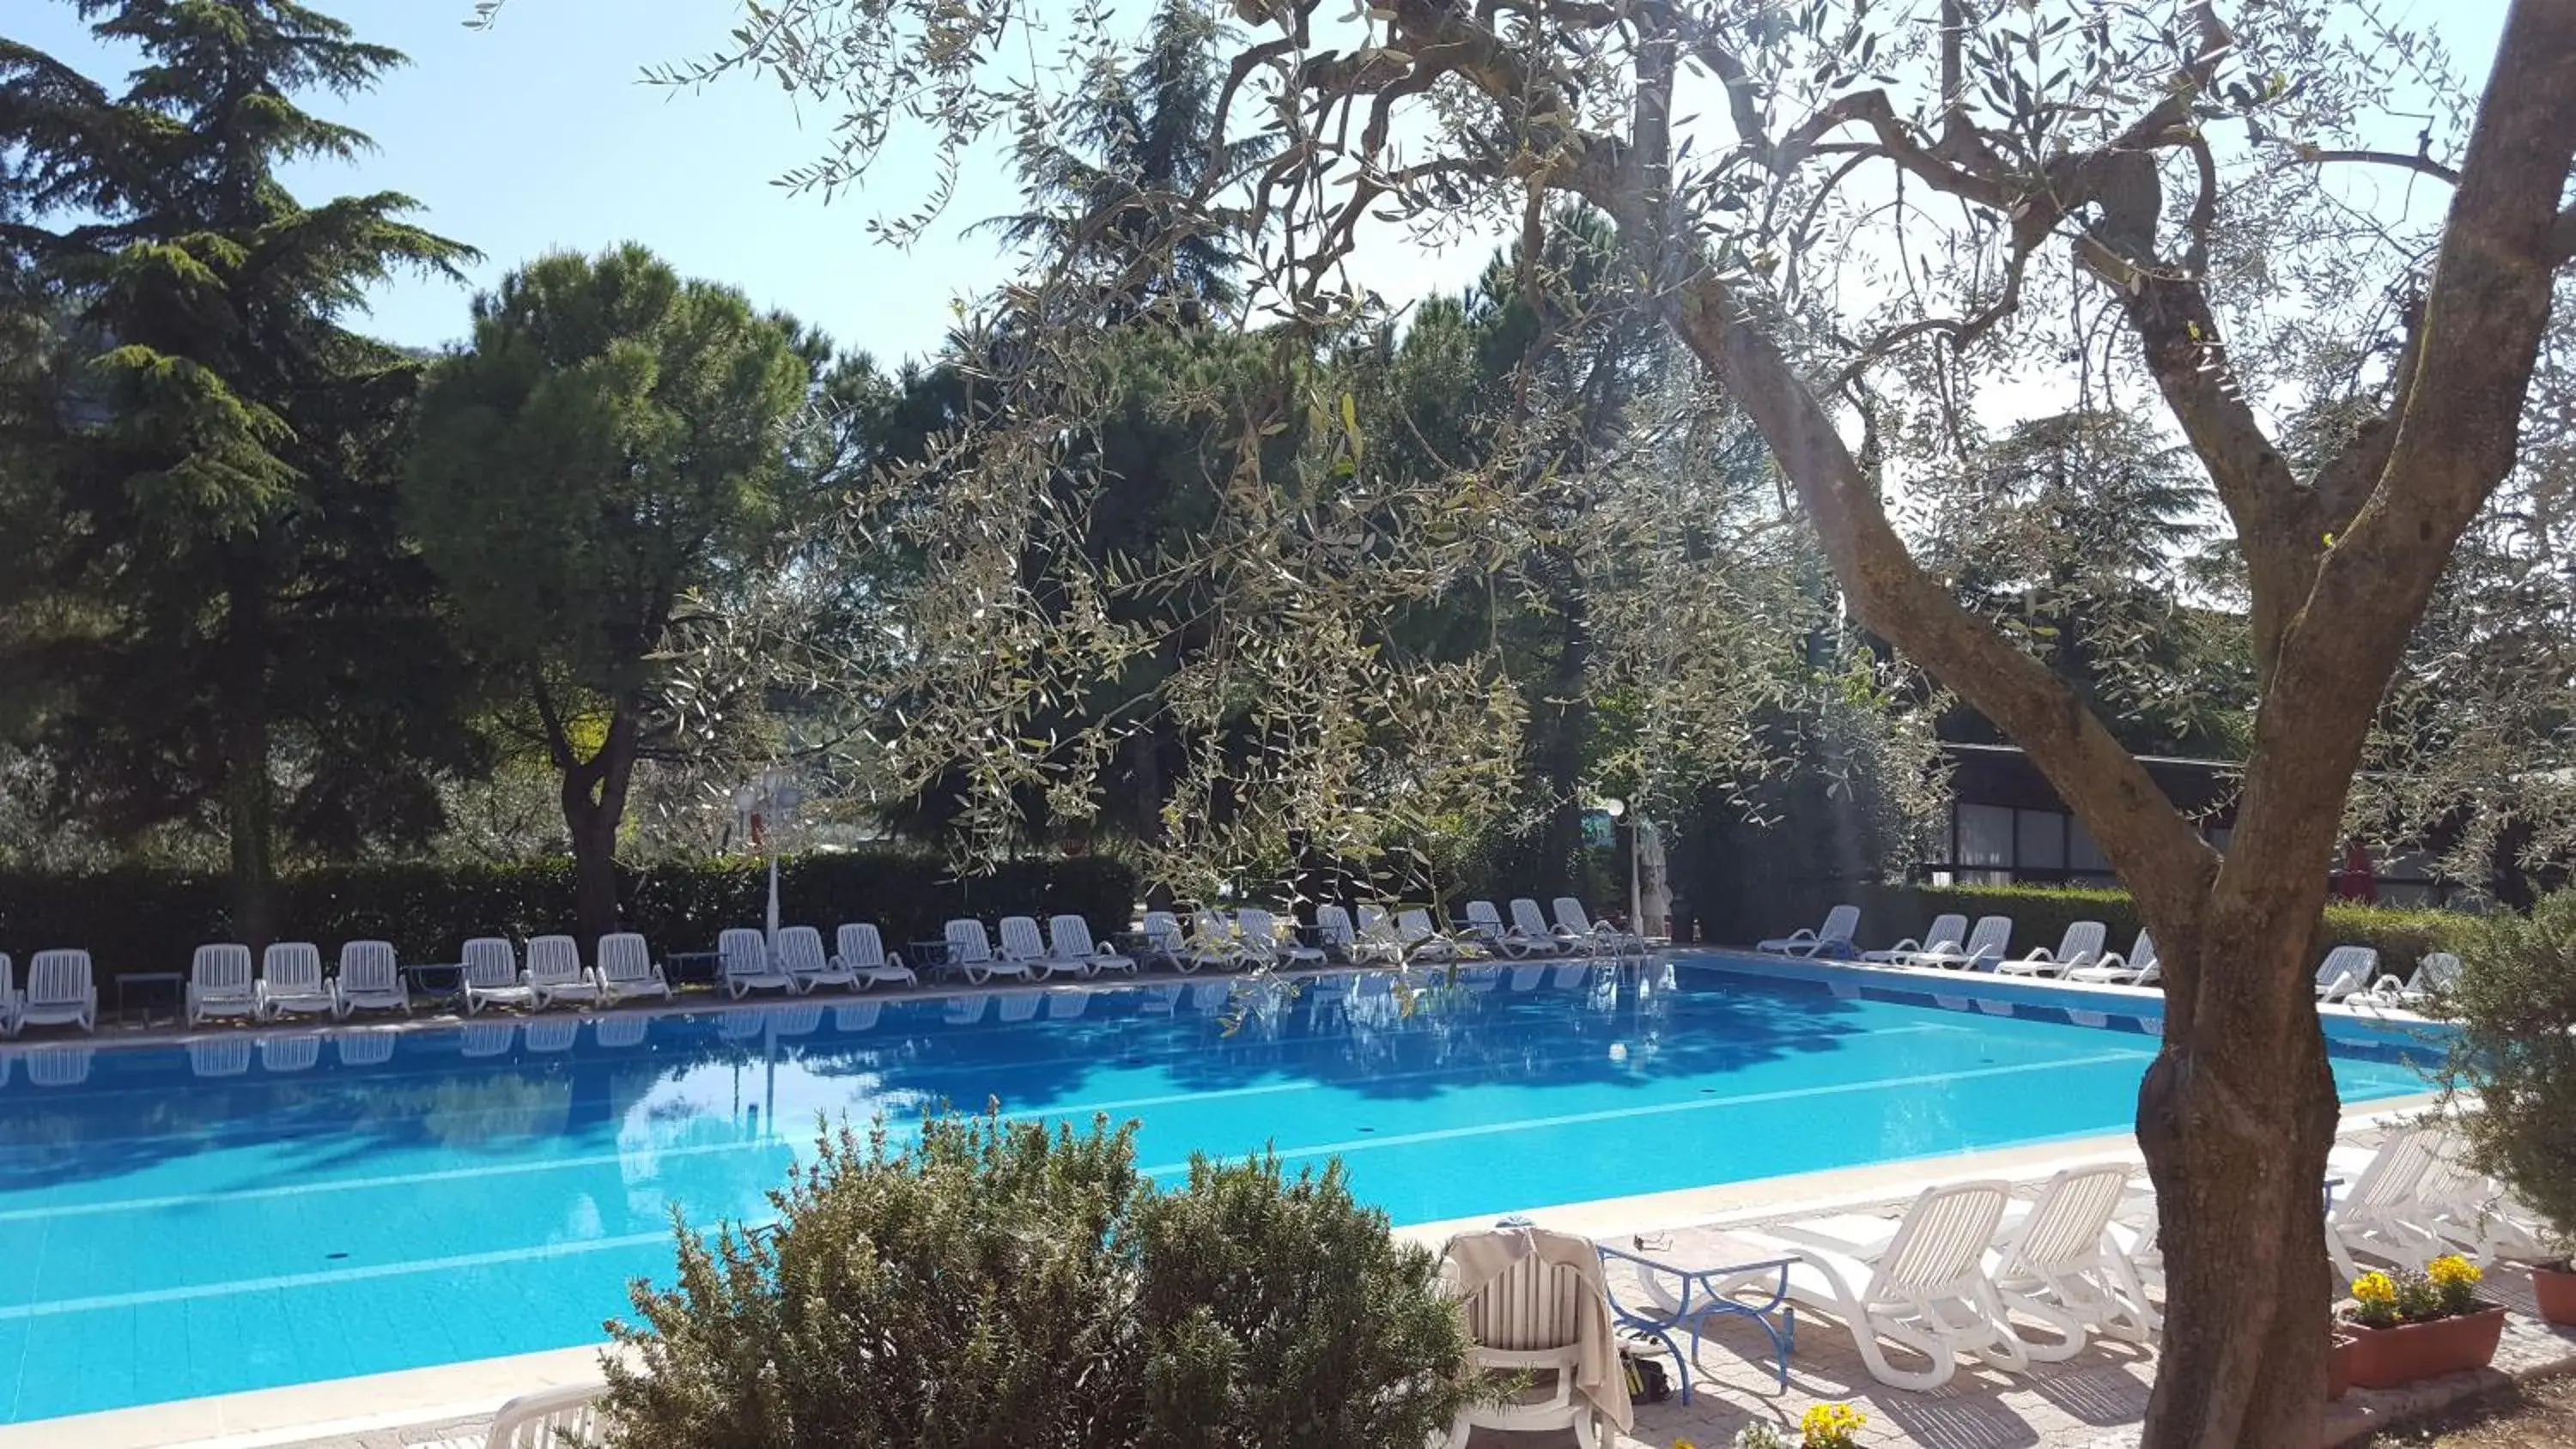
2446, 1289
1831, 1426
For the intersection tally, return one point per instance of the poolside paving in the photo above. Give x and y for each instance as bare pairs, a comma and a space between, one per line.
2095, 1400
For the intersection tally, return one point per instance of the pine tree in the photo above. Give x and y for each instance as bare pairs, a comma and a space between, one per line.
233, 633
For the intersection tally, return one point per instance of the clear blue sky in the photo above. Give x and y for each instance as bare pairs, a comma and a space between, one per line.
537, 135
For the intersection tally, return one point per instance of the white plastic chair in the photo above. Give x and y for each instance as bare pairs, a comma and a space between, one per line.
1573, 920
1833, 938
1422, 940
1378, 938
1070, 938
370, 979
2138, 968
862, 953
1926, 1289
1944, 937
800, 955
2080, 947
1257, 933
1024, 947
290, 980
2058, 1264
1333, 927
1528, 1322
627, 968
1531, 923
743, 954
559, 1418
970, 953
555, 972
2345, 970
62, 990
219, 984
491, 976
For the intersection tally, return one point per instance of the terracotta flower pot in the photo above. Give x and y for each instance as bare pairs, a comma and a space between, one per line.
2383, 1358
2339, 1364
2555, 1287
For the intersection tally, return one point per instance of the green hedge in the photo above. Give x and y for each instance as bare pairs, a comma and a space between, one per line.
2041, 915
145, 920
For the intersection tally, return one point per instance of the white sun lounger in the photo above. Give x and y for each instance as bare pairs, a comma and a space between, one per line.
491, 975
1833, 938
1333, 927
1069, 937
2346, 970
555, 972
370, 979
1423, 940
862, 953
1163, 930
970, 953
2080, 947
742, 956
62, 990
627, 968
1991, 938
559, 1418
1378, 938
2057, 1263
1486, 928
2138, 968
1575, 925
1025, 947
9, 1003
2438, 972
290, 980
1211, 943
800, 954
219, 984
2381, 1210
1531, 923
1927, 1289
1257, 933
1944, 937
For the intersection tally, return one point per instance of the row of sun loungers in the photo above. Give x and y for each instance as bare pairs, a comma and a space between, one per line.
2349, 974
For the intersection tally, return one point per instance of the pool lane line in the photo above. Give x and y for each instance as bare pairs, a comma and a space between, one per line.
898, 1131
556, 1250
1660, 1109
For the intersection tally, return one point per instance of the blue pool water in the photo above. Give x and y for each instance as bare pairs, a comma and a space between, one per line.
175, 1223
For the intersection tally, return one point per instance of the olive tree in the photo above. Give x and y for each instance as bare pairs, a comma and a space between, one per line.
1867, 226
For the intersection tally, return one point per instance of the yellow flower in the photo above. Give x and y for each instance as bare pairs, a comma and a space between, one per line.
2376, 1290
1831, 1426
2448, 1270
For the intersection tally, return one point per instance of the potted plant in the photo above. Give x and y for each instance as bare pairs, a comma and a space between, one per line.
2339, 1362
2515, 1055
1826, 1426
2410, 1325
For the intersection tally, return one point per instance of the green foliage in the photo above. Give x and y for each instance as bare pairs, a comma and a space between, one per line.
2516, 1006
201, 553
135, 919
1004, 1284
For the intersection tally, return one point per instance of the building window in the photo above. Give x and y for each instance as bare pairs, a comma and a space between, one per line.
1985, 850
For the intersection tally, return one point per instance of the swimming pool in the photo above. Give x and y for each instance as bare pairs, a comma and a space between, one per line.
238, 1214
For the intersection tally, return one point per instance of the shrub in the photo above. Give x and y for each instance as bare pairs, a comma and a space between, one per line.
148, 920
2516, 1006
1001, 1284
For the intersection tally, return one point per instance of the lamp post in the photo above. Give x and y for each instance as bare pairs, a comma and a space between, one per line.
1617, 810
764, 803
